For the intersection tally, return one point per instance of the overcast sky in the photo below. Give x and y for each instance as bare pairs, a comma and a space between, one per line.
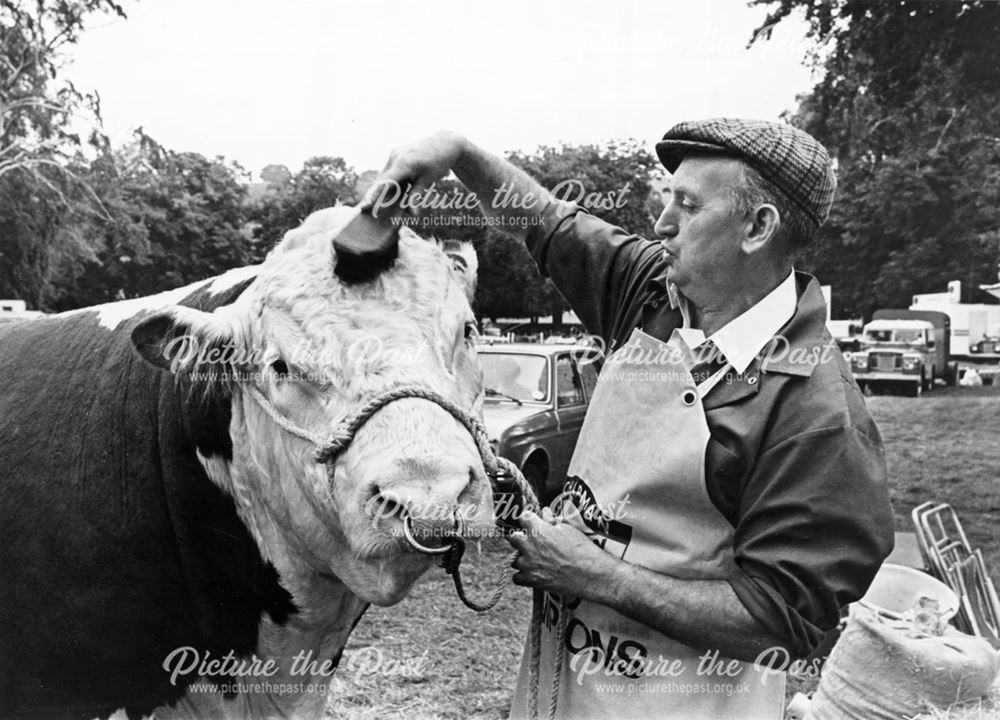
263, 81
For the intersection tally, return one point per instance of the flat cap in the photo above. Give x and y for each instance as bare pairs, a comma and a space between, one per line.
791, 159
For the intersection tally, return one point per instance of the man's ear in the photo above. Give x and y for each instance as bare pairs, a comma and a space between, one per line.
763, 226
178, 339
466, 263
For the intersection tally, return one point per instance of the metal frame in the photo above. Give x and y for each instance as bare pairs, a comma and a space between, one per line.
950, 558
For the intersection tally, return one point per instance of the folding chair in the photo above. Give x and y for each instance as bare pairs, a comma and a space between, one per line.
922, 541
978, 597
949, 557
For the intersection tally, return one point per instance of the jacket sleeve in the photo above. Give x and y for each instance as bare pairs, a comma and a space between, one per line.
814, 526
600, 269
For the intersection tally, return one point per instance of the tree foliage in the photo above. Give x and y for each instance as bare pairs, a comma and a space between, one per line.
289, 199
39, 231
909, 105
46, 201
172, 218
612, 180
37, 109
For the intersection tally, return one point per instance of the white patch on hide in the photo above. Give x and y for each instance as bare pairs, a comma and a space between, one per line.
111, 315
231, 278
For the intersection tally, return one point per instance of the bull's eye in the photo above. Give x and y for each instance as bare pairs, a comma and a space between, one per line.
280, 368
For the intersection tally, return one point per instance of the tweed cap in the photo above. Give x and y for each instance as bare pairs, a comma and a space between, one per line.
791, 159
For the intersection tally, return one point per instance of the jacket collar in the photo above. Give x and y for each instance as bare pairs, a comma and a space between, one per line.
796, 349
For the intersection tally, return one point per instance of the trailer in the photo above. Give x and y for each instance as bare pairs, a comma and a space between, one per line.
970, 322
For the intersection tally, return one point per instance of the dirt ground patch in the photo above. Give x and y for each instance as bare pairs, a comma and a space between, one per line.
465, 662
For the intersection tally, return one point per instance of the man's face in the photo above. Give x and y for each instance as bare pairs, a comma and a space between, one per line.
699, 233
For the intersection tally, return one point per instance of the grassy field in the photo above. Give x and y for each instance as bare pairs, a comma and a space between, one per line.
946, 447
430, 657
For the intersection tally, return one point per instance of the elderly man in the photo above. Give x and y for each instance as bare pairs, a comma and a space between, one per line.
728, 492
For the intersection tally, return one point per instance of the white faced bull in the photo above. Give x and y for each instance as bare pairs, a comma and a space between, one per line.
161, 533
301, 347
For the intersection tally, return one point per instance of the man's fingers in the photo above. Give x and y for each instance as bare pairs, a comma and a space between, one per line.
517, 539
370, 195
384, 193
415, 166
529, 521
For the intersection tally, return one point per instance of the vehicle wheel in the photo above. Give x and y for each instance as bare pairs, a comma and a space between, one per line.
929, 382
951, 374
536, 473
917, 388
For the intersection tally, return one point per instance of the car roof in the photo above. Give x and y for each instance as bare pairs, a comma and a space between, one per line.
529, 348
899, 325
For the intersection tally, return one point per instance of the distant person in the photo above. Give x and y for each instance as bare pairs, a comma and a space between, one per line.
729, 485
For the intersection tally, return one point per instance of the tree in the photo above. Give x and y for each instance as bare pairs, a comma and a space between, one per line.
43, 192
908, 103
172, 218
614, 177
612, 180
322, 182
35, 108
509, 284
276, 175
192, 210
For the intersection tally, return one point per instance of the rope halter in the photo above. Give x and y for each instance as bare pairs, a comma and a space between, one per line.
329, 447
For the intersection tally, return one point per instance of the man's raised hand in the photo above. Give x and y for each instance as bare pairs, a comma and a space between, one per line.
413, 168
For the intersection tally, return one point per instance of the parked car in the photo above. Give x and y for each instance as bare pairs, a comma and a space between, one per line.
536, 398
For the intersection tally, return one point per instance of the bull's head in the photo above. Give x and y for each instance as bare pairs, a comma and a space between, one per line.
317, 349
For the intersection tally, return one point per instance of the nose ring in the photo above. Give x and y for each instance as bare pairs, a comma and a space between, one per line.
417, 545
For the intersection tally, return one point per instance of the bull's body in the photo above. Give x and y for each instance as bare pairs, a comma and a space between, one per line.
143, 511
115, 547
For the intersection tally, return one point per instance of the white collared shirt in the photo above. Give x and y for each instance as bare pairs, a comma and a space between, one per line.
743, 337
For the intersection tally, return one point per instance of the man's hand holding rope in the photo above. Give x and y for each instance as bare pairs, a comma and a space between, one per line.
556, 557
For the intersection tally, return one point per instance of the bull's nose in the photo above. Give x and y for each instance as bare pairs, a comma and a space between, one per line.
430, 491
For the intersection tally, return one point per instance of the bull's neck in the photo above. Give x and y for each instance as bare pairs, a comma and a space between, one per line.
295, 684
303, 650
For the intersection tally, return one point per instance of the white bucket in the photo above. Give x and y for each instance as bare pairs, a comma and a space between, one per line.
896, 589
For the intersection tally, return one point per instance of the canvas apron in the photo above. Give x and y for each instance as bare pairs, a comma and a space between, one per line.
636, 485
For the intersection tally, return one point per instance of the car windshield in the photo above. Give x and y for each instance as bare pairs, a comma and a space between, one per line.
905, 337
522, 377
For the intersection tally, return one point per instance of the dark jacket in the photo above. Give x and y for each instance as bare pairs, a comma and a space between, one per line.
795, 461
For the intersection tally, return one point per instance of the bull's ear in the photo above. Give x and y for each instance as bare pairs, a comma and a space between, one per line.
177, 339
466, 264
